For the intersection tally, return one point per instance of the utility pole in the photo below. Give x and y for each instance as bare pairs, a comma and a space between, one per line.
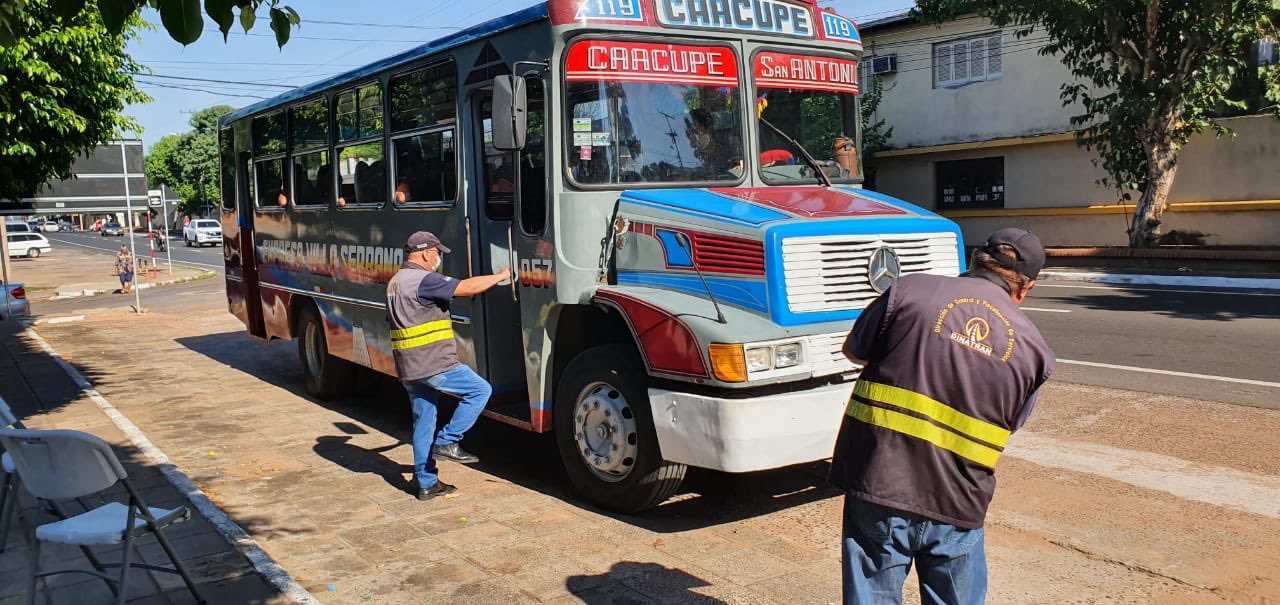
133, 249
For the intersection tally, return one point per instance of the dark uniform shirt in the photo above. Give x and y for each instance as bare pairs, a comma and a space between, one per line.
421, 328
953, 368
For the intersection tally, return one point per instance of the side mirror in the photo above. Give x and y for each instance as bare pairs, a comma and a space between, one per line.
510, 112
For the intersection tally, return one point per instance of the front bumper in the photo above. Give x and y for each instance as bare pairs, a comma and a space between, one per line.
208, 238
741, 435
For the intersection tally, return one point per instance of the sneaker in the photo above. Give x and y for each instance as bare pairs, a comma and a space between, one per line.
454, 452
439, 490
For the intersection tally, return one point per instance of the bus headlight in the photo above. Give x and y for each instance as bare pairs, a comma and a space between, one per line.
760, 359
787, 355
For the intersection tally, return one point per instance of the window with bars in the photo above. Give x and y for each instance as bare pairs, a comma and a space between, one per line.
973, 59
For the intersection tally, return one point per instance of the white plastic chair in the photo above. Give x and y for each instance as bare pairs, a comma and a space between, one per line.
9, 489
61, 465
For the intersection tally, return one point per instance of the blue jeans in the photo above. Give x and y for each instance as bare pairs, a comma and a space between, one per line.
880, 544
461, 382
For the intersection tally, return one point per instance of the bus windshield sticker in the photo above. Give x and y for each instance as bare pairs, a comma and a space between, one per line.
582, 139
766, 16
609, 10
597, 60
782, 70
582, 124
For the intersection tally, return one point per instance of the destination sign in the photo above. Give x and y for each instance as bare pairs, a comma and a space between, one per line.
782, 70
767, 16
609, 10
595, 60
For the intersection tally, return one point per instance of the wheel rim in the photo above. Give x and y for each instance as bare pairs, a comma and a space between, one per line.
604, 428
312, 338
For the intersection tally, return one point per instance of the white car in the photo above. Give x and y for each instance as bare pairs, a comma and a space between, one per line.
30, 245
18, 305
49, 226
203, 231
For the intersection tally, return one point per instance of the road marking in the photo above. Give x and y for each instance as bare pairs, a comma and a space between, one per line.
1111, 366
177, 262
1207, 281
230, 530
1122, 288
1042, 310
1216, 485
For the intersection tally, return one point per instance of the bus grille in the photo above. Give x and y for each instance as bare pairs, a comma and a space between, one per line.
829, 273
826, 354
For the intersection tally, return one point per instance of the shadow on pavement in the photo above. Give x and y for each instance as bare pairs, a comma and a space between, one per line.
526, 459
1215, 306
674, 585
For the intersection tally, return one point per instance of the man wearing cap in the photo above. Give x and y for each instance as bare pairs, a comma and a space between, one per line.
952, 367
426, 357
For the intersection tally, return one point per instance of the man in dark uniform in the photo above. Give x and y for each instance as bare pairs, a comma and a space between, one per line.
952, 368
426, 357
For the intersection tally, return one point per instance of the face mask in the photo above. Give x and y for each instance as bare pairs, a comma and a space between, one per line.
439, 262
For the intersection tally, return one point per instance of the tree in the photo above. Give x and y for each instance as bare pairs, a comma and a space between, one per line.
182, 19
875, 137
188, 163
63, 86
1150, 74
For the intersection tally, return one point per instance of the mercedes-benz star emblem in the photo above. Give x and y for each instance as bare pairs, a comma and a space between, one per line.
882, 269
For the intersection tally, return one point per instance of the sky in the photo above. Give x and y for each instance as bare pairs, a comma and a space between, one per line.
335, 36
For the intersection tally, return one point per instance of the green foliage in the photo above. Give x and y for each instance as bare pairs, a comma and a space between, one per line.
875, 137
1149, 75
63, 86
184, 162
182, 19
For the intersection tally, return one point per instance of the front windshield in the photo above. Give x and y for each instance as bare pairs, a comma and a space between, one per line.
652, 113
813, 100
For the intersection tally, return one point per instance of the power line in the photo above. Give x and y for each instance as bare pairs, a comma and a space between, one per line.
241, 83
325, 38
193, 89
386, 25
280, 63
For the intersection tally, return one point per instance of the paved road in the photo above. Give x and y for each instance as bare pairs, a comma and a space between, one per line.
205, 258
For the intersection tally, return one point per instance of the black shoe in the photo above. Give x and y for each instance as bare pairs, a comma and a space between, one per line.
454, 452
440, 489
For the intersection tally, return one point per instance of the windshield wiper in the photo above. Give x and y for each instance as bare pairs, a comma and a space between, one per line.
822, 175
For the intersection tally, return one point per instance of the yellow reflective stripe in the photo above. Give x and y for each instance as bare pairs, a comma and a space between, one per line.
421, 341
922, 429
938, 411
421, 329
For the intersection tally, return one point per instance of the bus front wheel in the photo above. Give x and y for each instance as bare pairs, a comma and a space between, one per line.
325, 376
604, 429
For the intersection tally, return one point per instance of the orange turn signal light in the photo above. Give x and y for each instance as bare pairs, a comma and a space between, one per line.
728, 362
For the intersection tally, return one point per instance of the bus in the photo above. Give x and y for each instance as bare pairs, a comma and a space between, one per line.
675, 184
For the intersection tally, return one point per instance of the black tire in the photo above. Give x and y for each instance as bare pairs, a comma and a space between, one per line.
33, 253
612, 374
184, 238
325, 376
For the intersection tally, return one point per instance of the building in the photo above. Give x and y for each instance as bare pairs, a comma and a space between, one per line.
981, 136
98, 188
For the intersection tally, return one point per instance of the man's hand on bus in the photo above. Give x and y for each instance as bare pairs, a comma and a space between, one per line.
478, 284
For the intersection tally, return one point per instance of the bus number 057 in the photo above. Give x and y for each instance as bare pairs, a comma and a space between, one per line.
536, 272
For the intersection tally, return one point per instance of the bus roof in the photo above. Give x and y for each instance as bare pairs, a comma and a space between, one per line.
471, 34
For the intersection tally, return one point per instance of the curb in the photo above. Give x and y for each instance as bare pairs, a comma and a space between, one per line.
229, 529
1245, 283
183, 280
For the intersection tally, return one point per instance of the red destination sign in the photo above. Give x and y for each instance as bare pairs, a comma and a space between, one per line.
595, 60
781, 70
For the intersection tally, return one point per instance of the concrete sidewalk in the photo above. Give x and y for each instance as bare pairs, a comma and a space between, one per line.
72, 272
43, 396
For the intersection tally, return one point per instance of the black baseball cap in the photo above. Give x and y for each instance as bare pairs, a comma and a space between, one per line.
423, 240
1025, 243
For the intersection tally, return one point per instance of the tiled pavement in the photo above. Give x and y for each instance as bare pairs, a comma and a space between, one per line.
323, 487
42, 395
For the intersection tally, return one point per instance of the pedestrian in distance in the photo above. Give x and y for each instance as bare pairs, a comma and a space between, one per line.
418, 299
124, 269
952, 368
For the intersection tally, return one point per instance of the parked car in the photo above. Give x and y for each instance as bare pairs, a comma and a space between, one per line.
49, 227
30, 245
65, 225
112, 228
18, 305
19, 227
31, 226
203, 231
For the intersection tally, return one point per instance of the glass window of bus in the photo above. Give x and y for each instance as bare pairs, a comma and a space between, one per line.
269, 160
533, 162
361, 150
499, 171
309, 154
652, 113
812, 99
227, 166
424, 113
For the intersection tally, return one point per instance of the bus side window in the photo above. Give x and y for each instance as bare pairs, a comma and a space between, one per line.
499, 171
533, 164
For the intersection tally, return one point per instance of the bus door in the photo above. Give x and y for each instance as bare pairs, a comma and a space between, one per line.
499, 340
238, 252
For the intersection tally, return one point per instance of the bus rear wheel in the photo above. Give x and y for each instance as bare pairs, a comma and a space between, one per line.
326, 376
604, 430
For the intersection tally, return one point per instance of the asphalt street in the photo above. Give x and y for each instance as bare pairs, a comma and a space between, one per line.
1203, 343
205, 258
